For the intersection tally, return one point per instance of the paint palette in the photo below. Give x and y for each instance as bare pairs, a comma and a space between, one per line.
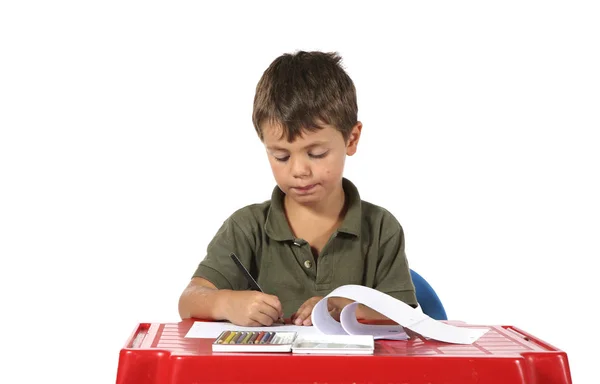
254, 341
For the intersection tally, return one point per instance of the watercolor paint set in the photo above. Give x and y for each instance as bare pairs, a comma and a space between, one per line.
254, 341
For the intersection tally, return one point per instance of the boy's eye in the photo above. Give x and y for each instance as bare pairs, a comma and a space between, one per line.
319, 155
285, 158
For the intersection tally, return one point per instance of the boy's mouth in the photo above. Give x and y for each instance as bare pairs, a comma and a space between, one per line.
304, 189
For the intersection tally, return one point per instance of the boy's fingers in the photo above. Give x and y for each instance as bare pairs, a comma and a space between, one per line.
267, 310
330, 306
303, 314
298, 317
262, 318
294, 316
274, 302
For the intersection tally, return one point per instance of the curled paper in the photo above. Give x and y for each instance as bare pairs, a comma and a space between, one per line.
394, 310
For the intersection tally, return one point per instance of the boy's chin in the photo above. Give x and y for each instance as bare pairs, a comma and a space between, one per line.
311, 199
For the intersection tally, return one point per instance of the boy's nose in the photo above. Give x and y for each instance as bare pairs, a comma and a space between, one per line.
300, 168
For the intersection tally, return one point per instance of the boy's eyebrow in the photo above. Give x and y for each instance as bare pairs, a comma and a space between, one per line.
311, 145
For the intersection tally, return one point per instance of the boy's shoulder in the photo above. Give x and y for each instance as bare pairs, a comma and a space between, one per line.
372, 219
267, 216
370, 209
255, 213
377, 216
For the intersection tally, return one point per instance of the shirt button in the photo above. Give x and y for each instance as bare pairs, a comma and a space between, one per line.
307, 264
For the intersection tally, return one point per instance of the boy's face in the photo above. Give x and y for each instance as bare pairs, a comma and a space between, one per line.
310, 169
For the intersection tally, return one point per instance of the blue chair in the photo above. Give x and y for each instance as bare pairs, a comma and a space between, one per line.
428, 300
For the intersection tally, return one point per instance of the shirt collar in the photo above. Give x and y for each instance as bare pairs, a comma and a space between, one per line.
278, 229
353, 218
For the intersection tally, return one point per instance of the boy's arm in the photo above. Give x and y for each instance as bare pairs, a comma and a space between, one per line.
393, 273
218, 291
202, 300
216, 276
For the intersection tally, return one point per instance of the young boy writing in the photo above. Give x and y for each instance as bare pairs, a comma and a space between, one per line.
315, 233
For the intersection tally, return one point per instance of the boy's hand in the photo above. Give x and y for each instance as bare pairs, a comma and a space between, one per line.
334, 306
252, 308
302, 315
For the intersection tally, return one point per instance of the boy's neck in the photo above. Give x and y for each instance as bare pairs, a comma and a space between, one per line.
330, 208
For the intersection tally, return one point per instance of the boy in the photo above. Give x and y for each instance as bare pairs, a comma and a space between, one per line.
315, 234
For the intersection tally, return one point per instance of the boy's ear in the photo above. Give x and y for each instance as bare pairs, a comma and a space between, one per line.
353, 139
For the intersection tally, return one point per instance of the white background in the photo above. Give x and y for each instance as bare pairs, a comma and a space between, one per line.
126, 139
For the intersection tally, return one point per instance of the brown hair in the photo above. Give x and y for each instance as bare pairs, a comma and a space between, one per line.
304, 90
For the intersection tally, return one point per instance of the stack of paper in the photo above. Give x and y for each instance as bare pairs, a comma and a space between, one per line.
334, 344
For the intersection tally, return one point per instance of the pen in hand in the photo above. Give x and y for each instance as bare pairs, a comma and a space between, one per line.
249, 277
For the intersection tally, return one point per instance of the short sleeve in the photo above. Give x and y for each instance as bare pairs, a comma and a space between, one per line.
218, 267
393, 274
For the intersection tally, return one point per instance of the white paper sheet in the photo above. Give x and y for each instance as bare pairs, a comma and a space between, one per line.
393, 309
353, 327
211, 330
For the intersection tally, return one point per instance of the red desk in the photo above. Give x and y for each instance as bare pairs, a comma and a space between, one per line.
160, 354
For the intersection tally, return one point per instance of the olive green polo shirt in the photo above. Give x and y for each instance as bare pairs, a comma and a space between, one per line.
367, 249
